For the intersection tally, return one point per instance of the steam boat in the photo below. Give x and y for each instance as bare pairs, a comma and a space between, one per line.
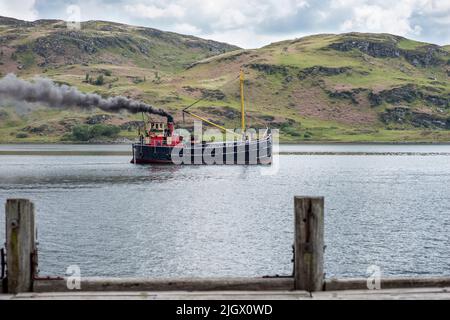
160, 144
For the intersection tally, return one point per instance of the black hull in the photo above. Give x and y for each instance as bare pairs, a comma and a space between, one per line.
255, 152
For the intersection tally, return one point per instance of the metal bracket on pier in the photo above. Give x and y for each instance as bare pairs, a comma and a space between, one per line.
2, 263
276, 276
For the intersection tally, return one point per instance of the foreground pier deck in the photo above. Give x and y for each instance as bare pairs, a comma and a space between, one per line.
383, 294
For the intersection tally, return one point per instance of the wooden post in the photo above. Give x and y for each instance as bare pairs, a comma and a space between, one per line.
309, 243
20, 244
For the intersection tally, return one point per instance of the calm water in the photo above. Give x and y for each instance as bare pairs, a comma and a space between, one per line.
358, 148
113, 218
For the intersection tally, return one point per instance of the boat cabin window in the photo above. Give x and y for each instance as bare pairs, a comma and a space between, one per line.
157, 127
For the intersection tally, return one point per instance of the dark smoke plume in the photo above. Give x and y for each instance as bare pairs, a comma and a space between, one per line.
45, 91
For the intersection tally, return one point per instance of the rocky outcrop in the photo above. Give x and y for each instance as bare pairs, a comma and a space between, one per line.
3, 115
132, 125
284, 124
374, 49
408, 93
322, 71
79, 47
41, 130
68, 123
232, 57
223, 112
270, 69
59, 45
429, 121
213, 47
266, 117
7, 38
404, 115
221, 59
427, 56
424, 56
290, 72
213, 94
6, 21
209, 94
346, 94
396, 114
98, 118
437, 100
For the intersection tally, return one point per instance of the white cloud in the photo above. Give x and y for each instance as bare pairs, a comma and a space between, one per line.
185, 28
410, 18
19, 9
247, 38
426, 20
375, 18
254, 23
151, 11
219, 14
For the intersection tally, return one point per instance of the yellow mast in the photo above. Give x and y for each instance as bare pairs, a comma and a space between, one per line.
242, 101
241, 76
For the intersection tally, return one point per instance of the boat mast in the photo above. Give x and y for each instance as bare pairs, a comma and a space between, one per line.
241, 77
185, 110
209, 122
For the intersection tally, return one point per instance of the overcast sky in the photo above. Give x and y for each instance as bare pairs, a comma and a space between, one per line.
251, 23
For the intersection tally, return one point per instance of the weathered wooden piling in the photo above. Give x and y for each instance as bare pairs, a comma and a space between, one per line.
20, 244
309, 243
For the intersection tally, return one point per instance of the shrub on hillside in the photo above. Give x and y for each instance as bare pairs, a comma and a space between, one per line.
100, 80
98, 131
21, 135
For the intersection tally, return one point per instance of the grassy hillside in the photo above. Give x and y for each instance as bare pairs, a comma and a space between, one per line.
348, 87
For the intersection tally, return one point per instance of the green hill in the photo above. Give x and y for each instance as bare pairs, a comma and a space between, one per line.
347, 87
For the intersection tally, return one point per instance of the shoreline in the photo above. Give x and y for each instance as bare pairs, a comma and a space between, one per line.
281, 143
282, 153
284, 149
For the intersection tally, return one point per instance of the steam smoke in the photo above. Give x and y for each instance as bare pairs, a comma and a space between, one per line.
45, 91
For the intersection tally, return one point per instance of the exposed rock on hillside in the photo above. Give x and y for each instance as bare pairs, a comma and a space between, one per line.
269, 69
214, 47
68, 123
265, 117
404, 115
408, 93
209, 94
233, 57
424, 56
41, 130
54, 45
97, 119
346, 94
14, 22
132, 125
77, 47
223, 112
322, 71
3, 115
